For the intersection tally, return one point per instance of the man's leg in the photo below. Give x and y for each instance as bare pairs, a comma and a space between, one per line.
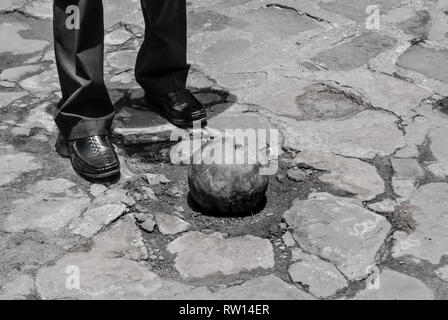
85, 108
85, 113
162, 67
162, 61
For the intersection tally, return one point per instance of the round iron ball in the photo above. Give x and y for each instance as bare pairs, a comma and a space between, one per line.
227, 189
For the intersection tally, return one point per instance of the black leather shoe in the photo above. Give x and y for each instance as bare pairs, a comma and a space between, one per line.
180, 107
92, 157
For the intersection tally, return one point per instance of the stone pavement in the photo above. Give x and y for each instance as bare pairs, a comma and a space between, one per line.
358, 209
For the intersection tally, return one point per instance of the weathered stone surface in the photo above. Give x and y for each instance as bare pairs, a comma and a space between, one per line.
339, 230
99, 278
142, 125
126, 12
123, 240
149, 224
347, 174
10, 5
122, 60
356, 9
379, 90
8, 97
397, 286
296, 175
18, 289
419, 25
355, 53
406, 169
116, 37
93, 220
365, 135
39, 8
439, 150
155, 179
200, 255
263, 288
46, 81
442, 273
268, 22
16, 73
97, 189
13, 43
114, 196
385, 206
429, 62
54, 186
288, 240
45, 211
430, 235
39, 117
170, 224
13, 164
322, 278
27, 251
51, 205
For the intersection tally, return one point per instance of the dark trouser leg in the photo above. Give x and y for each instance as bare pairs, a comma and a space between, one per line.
85, 108
162, 61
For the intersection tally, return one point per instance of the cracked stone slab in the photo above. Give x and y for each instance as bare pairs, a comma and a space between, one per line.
18, 289
46, 81
10, 5
407, 169
94, 219
365, 135
356, 52
28, 250
14, 44
118, 36
429, 62
13, 164
351, 175
418, 25
442, 273
170, 224
263, 288
99, 278
199, 255
385, 206
122, 60
114, 196
339, 230
439, 150
356, 9
397, 286
428, 240
142, 125
7, 98
123, 240
322, 278
39, 117
126, 12
50, 205
16, 73
406, 173
379, 90
42, 9
266, 22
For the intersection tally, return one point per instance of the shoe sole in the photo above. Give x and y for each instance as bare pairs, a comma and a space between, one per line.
98, 175
176, 122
